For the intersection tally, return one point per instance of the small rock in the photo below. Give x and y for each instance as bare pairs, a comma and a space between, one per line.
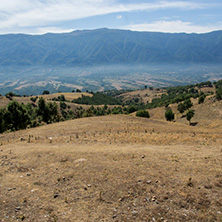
153, 198
9, 189
21, 217
80, 160
28, 174
146, 199
134, 212
56, 195
149, 182
143, 156
89, 185
17, 209
208, 186
114, 216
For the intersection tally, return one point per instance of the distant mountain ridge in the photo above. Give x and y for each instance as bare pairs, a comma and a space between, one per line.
108, 46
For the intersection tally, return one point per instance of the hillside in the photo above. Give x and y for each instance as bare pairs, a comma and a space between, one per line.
113, 168
116, 167
106, 46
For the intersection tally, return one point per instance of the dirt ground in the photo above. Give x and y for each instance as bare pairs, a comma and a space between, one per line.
112, 168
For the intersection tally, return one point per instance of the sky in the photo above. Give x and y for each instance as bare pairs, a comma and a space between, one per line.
58, 16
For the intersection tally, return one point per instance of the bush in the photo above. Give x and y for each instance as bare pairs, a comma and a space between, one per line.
132, 109
219, 94
10, 94
45, 92
169, 115
143, 113
189, 115
33, 99
201, 99
63, 105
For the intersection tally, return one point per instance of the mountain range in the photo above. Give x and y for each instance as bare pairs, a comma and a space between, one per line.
107, 46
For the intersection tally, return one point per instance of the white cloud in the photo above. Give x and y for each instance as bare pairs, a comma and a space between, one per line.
17, 14
177, 26
50, 29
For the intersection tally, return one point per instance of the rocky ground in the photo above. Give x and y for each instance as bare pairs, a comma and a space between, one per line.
112, 168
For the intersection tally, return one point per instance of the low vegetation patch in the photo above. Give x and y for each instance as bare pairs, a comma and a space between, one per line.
143, 113
97, 99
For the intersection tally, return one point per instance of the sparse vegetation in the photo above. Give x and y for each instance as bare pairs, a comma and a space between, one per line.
33, 99
219, 94
190, 115
97, 99
45, 92
143, 113
201, 98
169, 115
46, 112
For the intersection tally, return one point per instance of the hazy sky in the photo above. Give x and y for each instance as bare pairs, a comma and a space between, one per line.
42, 16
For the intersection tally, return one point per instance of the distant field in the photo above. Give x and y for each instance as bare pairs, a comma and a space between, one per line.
33, 80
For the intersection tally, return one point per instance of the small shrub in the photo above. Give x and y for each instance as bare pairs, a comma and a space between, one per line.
219, 94
169, 115
45, 92
143, 113
201, 99
189, 115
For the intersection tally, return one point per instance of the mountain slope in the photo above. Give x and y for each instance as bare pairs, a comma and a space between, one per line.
105, 46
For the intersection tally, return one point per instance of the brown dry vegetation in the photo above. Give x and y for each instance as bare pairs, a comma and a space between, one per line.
145, 95
69, 96
115, 168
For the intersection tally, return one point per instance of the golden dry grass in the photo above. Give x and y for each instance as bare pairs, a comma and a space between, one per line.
112, 168
146, 95
68, 96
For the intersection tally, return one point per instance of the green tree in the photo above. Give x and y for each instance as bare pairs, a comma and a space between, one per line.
201, 98
53, 111
10, 94
190, 115
188, 104
33, 99
181, 108
63, 105
143, 113
132, 109
48, 112
219, 94
3, 126
45, 92
17, 116
169, 115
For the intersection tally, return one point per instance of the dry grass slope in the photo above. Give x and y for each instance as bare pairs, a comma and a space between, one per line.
113, 168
